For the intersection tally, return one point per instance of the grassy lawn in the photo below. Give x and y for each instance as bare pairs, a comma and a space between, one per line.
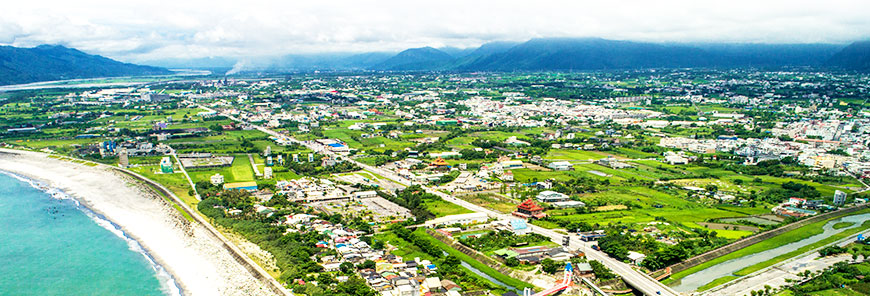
716, 282
840, 225
491, 201
574, 155
175, 183
240, 171
443, 208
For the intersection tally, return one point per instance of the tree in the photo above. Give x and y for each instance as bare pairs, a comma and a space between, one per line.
346, 267
325, 279
549, 266
512, 261
368, 264
601, 271
451, 261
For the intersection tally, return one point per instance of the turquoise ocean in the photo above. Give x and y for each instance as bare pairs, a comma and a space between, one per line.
51, 245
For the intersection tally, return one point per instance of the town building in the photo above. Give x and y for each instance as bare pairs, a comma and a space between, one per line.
166, 165
123, 159
249, 186
568, 204
217, 179
439, 164
529, 209
511, 164
519, 226
839, 198
365, 194
464, 219
560, 166
551, 196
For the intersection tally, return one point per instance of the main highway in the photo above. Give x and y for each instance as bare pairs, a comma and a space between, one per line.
639, 280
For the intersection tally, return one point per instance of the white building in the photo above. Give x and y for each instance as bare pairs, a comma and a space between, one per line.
569, 204
365, 194
673, 158
635, 257
560, 166
839, 198
470, 218
511, 164
267, 173
551, 196
217, 179
519, 226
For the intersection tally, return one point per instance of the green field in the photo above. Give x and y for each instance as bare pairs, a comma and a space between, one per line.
175, 182
443, 208
574, 155
240, 171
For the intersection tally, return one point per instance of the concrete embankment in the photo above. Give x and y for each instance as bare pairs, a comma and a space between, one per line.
748, 241
486, 260
258, 272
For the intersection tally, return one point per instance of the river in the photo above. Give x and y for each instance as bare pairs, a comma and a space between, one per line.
728, 268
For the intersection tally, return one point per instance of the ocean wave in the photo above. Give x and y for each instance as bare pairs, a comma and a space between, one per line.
167, 283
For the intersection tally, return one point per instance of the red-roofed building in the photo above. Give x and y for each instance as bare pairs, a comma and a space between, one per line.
529, 209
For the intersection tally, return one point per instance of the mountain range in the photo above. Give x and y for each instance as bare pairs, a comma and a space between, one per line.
580, 54
56, 62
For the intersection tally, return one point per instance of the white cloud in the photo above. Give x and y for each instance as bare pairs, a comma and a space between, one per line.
148, 30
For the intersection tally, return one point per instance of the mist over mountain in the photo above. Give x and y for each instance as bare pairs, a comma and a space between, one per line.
579, 54
589, 54
52, 62
56, 62
856, 56
424, 58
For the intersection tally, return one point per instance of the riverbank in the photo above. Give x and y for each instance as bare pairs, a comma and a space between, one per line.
766, 253
186, 250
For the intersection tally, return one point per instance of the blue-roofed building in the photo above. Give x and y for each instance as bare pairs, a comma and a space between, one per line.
337, 147
519, 226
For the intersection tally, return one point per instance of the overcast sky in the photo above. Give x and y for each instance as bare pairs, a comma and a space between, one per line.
149, 30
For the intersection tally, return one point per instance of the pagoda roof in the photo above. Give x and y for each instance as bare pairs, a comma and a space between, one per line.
439, 162
530, 205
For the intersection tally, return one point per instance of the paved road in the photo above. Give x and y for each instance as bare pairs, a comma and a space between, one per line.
184, 171
640, 281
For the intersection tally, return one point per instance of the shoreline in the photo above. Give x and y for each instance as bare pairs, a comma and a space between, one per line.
195, 260
168, 284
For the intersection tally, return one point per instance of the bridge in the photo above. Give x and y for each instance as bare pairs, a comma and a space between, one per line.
567, 278
594, 288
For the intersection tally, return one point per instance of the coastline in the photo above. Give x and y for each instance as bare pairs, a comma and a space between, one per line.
194, 260
168, 284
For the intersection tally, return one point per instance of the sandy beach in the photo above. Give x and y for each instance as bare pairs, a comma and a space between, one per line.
196, 259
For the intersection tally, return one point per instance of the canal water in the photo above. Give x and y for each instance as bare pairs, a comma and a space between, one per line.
728, 268
485, 276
